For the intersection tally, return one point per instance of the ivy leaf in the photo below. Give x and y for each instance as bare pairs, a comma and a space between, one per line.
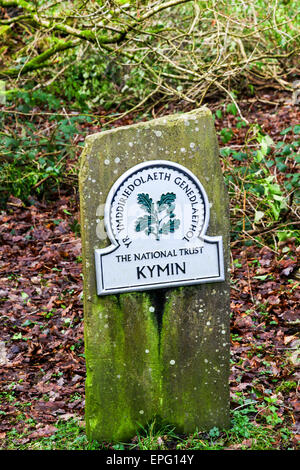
297, 129
145, 201
286, 131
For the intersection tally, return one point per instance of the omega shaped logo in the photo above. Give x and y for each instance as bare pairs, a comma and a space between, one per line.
156, 216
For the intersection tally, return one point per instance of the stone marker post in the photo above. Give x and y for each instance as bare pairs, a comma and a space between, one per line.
156, 283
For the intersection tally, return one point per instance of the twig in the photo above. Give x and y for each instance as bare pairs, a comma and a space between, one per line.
135, 107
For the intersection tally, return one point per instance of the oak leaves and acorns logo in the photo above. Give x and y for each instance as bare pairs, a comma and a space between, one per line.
160, 218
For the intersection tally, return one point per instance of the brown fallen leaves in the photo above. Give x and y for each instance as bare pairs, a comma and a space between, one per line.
42, 367
41, 362
265, 328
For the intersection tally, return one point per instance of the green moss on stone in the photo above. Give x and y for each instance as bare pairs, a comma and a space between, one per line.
136, 368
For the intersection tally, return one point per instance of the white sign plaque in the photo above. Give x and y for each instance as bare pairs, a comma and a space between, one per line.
156, 216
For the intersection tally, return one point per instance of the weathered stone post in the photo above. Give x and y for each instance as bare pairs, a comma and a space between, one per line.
156, 284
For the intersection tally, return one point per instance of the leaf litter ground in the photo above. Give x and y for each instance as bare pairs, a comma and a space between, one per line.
42, 365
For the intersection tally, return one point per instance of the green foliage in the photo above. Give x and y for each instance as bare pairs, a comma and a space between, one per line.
154, 436
245, 431
35, 152
286, 387
263, 177
96, 81
27, 99
92, 76
226, 135
89, 82
232, 109
139, 48
255, 425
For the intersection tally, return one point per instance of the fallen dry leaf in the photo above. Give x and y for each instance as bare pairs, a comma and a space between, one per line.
48, 430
